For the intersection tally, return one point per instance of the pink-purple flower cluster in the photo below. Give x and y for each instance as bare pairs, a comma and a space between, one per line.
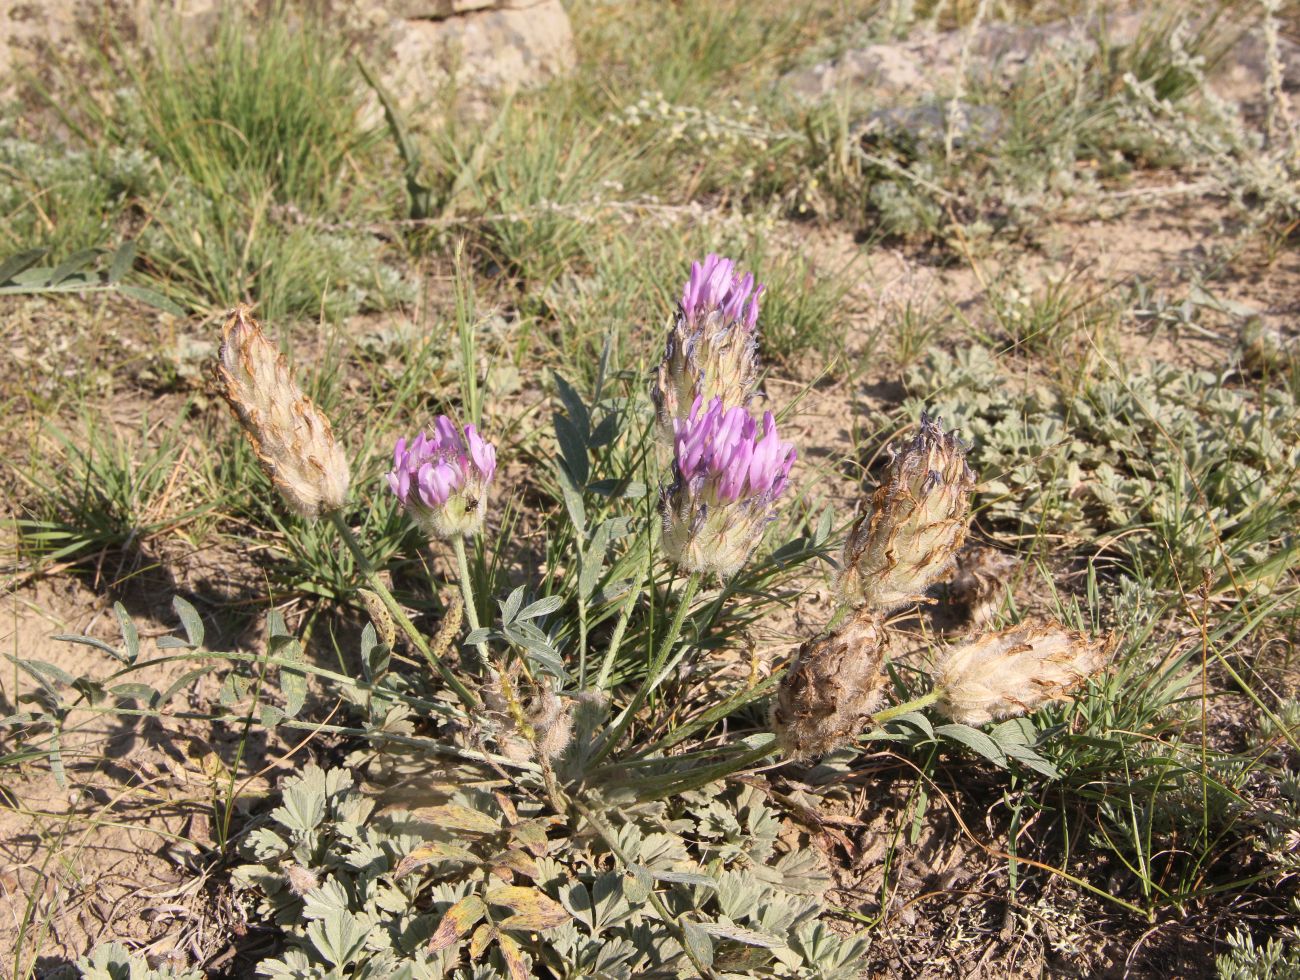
722, 447
442, 480
727, 475
712, 346
714, 285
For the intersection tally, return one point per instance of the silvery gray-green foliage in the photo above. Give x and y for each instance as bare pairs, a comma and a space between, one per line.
1276, 959
113, 961
1129, 452
489, 883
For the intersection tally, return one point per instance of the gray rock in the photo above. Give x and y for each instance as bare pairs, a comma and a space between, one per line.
499, 49
928, 66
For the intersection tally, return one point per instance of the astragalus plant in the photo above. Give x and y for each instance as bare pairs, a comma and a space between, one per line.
577, 818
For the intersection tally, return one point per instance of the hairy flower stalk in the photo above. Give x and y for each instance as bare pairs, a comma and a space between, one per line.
916, 522
290, 435
726, 477
712, 349
443, 481
831, 690
1016, 671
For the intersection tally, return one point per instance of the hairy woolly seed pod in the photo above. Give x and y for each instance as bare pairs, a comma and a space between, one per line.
980, 583
299, 879
1016, 671
712, 348
552, 723
833, 687
916, 522
290, 435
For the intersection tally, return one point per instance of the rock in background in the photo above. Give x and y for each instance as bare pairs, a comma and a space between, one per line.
479, 47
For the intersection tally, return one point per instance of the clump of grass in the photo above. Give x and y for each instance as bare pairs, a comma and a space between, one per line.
105, 493
274, 98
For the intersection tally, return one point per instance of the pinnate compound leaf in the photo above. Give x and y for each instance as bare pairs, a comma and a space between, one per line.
457, 921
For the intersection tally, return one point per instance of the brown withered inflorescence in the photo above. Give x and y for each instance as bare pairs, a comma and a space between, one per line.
290, 435
980, 582
830, 691
916, 522
1016, 671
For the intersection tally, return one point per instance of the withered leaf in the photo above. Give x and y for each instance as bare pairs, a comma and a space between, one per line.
457, 921
534, 911
483, 935
514, 957
431, 852
453, 816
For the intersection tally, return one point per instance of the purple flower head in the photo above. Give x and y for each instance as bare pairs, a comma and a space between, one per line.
714, 285
722, 447
442, 480
728, 475
712, 348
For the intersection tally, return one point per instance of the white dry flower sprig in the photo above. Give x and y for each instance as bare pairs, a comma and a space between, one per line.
1016, 671
916, 522
291, 437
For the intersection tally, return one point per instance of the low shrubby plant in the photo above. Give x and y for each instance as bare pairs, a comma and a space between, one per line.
517, 706
582, 817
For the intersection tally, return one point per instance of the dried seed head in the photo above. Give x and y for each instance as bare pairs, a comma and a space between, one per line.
1016, 671
980, 583
300, 880
552, 723
832, 688
291, 437
916, 522
380, 617
712, 349
727, 476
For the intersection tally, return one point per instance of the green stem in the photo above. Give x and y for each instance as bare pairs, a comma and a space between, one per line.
467, 593
652, 789
717, 712
880, 718
652, 677
616, 641
399, 616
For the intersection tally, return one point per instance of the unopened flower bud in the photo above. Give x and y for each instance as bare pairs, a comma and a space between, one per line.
916, 522
1016, 671
726, 479
832, 688
443, 481
980, 583
712, 349
291, 437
